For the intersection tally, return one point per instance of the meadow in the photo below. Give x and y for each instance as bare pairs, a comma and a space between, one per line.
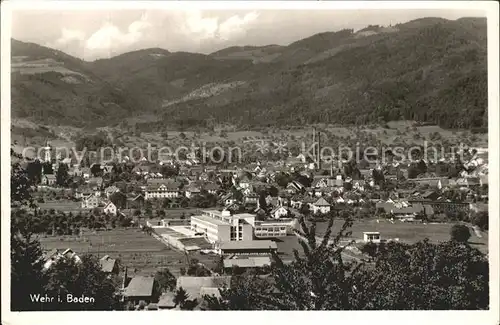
406, 232
137, 250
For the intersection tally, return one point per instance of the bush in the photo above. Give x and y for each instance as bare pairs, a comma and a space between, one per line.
480, 220
460, 233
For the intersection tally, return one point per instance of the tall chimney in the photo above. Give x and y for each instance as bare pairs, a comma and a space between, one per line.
319, 150
314, 145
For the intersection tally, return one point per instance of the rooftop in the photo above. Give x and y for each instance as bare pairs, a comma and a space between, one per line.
250, 244
248, 262
194, 284
107, 264
140, 286
210, 219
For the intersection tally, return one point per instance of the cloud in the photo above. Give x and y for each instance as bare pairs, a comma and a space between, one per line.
70, 35
199, 28
235, 26
109, 37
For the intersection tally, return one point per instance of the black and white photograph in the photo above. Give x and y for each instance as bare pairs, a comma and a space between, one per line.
244, 156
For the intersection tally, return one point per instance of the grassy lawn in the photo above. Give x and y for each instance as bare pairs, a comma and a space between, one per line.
136, 249
406, 232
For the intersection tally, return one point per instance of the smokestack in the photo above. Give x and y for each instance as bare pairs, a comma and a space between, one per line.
314, 145
331, 167
319, 150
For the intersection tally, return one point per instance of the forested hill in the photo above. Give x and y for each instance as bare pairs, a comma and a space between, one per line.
431, 70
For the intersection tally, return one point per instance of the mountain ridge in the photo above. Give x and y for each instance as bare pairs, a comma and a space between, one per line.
430, 70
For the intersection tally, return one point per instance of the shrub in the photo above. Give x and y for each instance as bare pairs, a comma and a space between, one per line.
460, 233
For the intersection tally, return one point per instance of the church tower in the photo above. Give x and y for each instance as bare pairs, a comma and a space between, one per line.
47, 151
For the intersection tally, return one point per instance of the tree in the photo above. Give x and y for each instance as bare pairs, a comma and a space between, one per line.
425, 276
119, 199
369, 249
62, 175
317, 279
26, 266
460, 233
96, 170
180, 296
166, 280
262, 200
34, 171
480, 219
20, 187
81, 278
47, 168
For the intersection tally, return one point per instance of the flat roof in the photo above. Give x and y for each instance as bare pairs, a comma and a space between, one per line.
243, 215
282, 223
371, 232
248, 262
211, 220
249, 244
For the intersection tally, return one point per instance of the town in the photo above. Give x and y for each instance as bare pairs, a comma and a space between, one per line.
205, 222
194, 158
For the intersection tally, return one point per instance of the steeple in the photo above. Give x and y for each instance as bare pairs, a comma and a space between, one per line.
47, 150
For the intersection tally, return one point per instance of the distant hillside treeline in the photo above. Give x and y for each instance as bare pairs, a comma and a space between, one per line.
430, 70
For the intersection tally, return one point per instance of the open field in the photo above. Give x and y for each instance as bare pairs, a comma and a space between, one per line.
136, 249
406, 232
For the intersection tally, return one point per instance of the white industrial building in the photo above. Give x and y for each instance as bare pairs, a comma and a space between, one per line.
222, 226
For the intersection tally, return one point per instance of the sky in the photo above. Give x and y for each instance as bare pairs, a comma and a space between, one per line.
91, 34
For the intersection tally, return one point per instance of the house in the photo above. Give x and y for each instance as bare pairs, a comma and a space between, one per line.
95, 183
319, 183
244, 182
55, 255
246, 262
371, 236
108, 191
295, 187
279, 212
250, 199
430, 195
107, 169
483, 180
296, 201
48, 179
90, 201
339, 200
283, 199
135, 202
211, 188
167, 301
109, 265
85, 191
321, 206
192, 190
227, 199
166, 189
408, 213
359, 185
385, 207
141, 288
442, 183
271, 201
110, 209
196, 287
85, 172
